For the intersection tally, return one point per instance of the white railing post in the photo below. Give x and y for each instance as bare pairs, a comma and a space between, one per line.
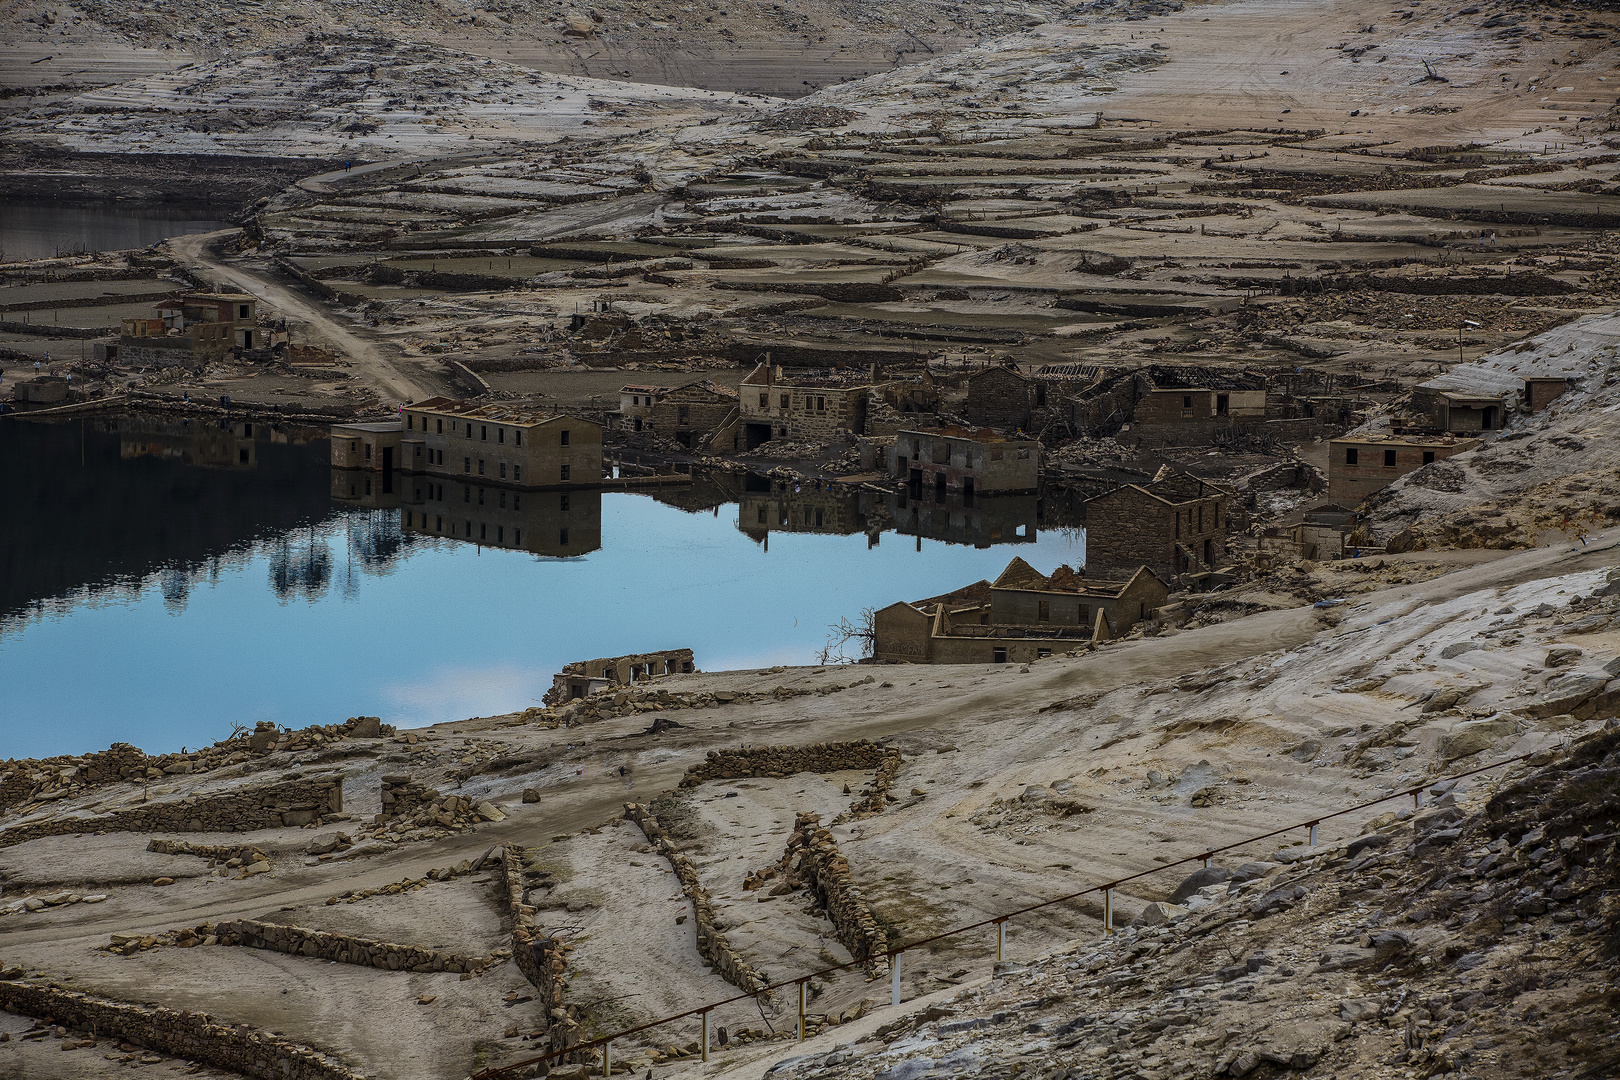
1108, 911
801, 1010
1314, 825
894, 978
1001, 940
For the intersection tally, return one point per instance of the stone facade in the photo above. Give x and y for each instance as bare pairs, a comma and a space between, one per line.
501, 444
999, 397
963, 462
192, 329
1357, 467
292, 803
770, 408
1539, 392
782, 761
1175, 526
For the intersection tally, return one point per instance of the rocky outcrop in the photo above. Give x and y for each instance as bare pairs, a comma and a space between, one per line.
711, 940
292, 803
195, 1036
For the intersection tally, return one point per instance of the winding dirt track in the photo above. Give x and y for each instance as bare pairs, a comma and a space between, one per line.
397, 380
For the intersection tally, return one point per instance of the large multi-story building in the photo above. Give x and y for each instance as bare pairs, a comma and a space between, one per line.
1176, 526
769, 407
965, 462
500, 444
1359, 465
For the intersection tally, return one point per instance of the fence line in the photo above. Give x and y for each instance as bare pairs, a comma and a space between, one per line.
999, 921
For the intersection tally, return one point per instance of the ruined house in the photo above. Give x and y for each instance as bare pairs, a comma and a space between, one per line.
1176, 526
586, 677
964, 462
1022, 616
500, 444
192, 329
769, 407
688, 413
999, 397
1187, 401
1359, 465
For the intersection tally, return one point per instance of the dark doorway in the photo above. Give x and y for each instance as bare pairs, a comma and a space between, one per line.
1223, 404
1488, 421
1209, 553
754, 434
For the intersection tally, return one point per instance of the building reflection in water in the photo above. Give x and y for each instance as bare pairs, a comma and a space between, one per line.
981, 521
554, 524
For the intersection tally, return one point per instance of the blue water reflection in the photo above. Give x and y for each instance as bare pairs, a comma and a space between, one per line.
311, 617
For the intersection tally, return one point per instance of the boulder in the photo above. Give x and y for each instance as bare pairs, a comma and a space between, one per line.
1561, 656
1306, 750
323, 843
1158, 913
367, 727
1035, 793
1456, 649
1198, 879
489, 811
1566, 693
531, 795
578, 26
1472, 736
1370, 842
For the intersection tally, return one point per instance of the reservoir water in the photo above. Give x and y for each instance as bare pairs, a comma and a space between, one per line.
42, 230
162, 580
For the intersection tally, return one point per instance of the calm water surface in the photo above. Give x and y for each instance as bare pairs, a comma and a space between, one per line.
41, 230
160, 581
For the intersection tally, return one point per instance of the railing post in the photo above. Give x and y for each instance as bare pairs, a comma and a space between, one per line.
1206, 861
801, 1010
704, 1042
607, 1058
894, 978
1108, 912
1314, 825
1001, 940
1417, 798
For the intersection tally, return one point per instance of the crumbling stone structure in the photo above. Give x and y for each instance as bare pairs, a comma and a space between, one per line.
712, 944
823, 868
781, 761
245, 852
344, 948
291, 803
543, 959
194, 1036
403, 794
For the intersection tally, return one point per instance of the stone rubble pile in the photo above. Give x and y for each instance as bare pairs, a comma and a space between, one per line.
814, 854
609, 704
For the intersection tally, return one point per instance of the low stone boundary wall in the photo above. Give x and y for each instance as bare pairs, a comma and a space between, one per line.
824, 869
293, 803
344, 949
403, 794
194, 1036
711, 941
778, 762
246, 852
543, 960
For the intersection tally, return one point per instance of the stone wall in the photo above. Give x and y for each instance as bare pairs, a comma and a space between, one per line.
782, 761
543, 960
823, 868
194, 1036
712, 944
998, 397
292, 803
403, 794
246, 852
344, 949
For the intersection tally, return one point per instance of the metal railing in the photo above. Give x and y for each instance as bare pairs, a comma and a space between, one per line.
505, 1072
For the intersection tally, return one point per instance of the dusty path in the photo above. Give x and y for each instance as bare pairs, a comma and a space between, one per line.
395, 379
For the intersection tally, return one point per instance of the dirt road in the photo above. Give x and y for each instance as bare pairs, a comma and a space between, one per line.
395, 379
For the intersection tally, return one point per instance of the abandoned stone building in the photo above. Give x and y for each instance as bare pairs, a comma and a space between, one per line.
549, 523
769, 407
1539, 391
1324, 533
1362, 464
1475, 399
964, 462
500, 444
192, 329
374, 447
999, 397
586, 677
1022, 616
1179, 402
765, 506
689, 413
1176, 526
